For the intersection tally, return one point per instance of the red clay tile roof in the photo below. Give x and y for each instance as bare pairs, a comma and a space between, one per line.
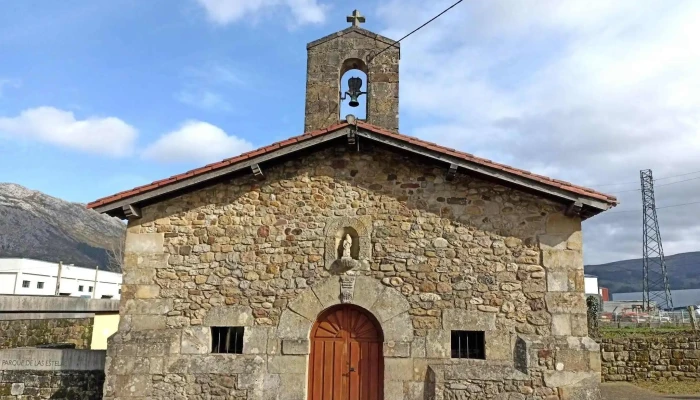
569, 187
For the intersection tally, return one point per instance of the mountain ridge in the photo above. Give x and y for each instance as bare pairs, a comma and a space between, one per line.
683, 270
38, 226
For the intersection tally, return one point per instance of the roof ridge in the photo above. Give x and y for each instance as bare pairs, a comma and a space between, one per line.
564, 185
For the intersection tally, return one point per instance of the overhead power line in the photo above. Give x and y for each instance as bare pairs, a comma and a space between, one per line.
658, 208
636, 182
673, 183
665, 184
415, 30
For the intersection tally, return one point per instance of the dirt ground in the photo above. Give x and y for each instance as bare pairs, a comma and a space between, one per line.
626, 391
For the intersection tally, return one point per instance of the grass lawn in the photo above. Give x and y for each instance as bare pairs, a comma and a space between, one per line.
680, 387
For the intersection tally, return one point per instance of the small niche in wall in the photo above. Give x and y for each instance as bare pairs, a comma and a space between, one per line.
468, 344
227, 339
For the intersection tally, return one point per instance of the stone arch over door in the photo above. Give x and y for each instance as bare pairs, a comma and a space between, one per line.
347, 360
387, 305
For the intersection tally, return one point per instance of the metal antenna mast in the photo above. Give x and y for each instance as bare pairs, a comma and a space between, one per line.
655, 283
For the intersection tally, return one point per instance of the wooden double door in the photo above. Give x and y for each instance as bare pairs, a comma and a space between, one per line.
346, 361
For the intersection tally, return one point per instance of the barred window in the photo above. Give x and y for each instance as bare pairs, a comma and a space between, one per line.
227, 339
468, 344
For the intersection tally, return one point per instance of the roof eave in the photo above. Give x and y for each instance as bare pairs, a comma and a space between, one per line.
581, 204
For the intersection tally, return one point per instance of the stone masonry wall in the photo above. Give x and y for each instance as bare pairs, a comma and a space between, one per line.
440, 255
664, 357
64, 385
33, 332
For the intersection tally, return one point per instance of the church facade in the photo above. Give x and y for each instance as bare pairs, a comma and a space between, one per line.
353, 262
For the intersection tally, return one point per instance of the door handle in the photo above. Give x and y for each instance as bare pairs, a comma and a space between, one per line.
352, 369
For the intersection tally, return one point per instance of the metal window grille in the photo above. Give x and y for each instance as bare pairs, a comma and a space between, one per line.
40, 285
80, 288
90, 289
25, 284
227, 339
468, 344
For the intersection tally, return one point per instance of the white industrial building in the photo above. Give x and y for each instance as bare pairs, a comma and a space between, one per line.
33, 277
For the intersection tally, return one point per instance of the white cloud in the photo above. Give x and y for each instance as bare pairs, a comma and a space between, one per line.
196, 141
203, 98
302, 12
586, 91
100, 135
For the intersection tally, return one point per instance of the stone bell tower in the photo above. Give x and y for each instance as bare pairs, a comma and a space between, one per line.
352, 48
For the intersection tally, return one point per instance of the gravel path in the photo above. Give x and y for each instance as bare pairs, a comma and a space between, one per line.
626, 391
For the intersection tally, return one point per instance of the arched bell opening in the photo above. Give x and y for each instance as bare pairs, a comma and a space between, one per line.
353, 89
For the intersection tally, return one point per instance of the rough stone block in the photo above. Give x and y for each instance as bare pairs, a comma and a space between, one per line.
498, 345
293, 386
437, 344
147, 322
295, 346
557, 281
418, 347
139, 276
255, 339
573, 360
393, 389
397, 349
586, 389
561, 324
223, 364
196, 340
144, 243
306, 305
17, 389
565, 302
562, 225
149, 306
552, 242
367, 291
484, 370
251, 381
557, 379
130, 385
293, 326
271, 387
229, 316
328, 292
398, 369
287, 364
417, 391
562, 259
399, 328
390, 304
146, 291
463, 320
579, 325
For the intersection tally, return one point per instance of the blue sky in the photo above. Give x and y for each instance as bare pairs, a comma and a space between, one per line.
101, 96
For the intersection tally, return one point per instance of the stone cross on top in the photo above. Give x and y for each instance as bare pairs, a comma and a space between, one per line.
356, 18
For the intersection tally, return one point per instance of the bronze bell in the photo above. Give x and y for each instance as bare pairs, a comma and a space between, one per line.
354, 91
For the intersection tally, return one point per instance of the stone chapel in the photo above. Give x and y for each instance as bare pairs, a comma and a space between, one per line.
353, 262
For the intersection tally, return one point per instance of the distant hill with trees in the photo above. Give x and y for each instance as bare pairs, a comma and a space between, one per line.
626, 276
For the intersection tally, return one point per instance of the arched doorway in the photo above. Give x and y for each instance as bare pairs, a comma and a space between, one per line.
346, 361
